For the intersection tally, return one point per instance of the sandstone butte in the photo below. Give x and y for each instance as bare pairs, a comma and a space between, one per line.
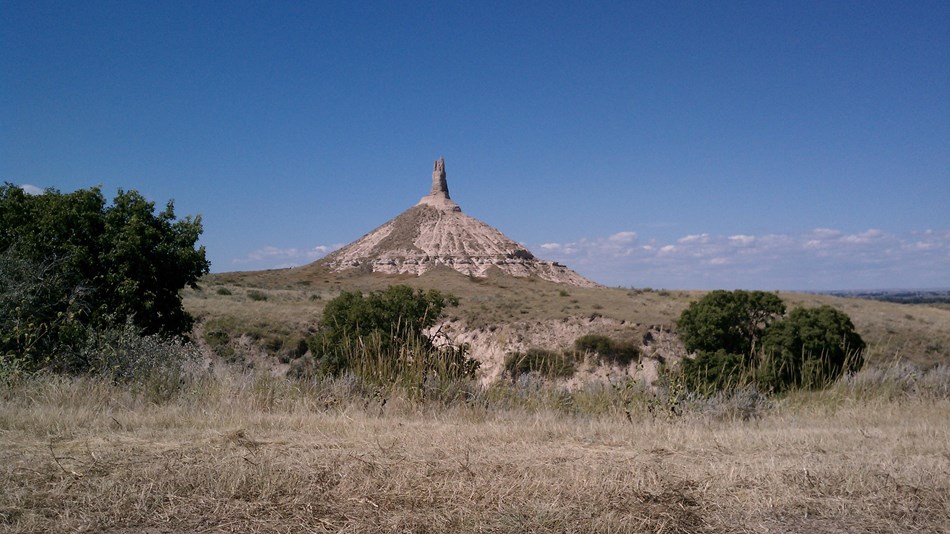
436, 233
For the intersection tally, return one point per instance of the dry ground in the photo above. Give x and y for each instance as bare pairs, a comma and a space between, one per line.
257, 454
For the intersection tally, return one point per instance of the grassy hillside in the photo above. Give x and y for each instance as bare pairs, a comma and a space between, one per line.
275, 309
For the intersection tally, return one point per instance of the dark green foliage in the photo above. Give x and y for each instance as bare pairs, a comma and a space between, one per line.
71, 264
715, 371
547, 363
738, 339
810, 348
370, 332
223, 291
732, 321
610, 350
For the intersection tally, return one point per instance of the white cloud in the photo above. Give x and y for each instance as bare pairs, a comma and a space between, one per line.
31, 189
696, 238
823, 258
623, 237
825, 233
551, 246
743, 240
270, 257
863, 237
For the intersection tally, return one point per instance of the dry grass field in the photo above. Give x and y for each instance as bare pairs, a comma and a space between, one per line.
254, 453
236, 448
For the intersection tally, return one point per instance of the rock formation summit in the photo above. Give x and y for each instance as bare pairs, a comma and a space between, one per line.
434, 233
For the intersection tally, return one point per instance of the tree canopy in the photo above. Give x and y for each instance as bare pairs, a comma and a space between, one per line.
743, 336
69, 261
732, 321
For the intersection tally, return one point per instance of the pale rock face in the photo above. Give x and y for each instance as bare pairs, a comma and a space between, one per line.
435, 232
438, 197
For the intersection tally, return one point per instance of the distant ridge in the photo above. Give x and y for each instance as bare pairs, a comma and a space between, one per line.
436, 233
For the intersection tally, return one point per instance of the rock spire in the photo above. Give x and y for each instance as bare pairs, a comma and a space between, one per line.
439, 185
438, 196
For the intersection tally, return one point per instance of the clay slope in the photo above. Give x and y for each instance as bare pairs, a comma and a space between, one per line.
424, 237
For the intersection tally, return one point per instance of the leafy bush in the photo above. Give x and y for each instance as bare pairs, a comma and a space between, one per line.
610, 350
223, 291
70, 263
732, 321
547, 363
381, 336
739, 340
812, 347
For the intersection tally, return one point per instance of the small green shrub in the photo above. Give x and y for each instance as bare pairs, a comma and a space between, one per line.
150, 364
223, 291
219, 342
609, 350
256, 295
547, 363
380, 338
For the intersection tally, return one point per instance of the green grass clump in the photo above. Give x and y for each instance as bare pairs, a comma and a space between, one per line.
609, 350
547, 363
256, 295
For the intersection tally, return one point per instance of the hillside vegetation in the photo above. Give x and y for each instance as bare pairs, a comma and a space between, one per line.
271, 311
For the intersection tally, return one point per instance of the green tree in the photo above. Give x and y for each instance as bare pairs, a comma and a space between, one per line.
70, 263
732, 321
810, 348
387, 323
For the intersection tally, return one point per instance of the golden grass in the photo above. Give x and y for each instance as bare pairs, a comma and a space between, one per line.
257, 454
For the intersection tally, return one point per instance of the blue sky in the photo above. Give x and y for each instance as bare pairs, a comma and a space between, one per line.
767, 145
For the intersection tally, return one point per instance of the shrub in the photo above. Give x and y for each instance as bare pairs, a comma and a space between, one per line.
256, 295
381, 337
150, 364
610, 350
810, 348
223, 291
547, 363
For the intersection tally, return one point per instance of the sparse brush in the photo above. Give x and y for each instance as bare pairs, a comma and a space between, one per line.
546, 363
257, 295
